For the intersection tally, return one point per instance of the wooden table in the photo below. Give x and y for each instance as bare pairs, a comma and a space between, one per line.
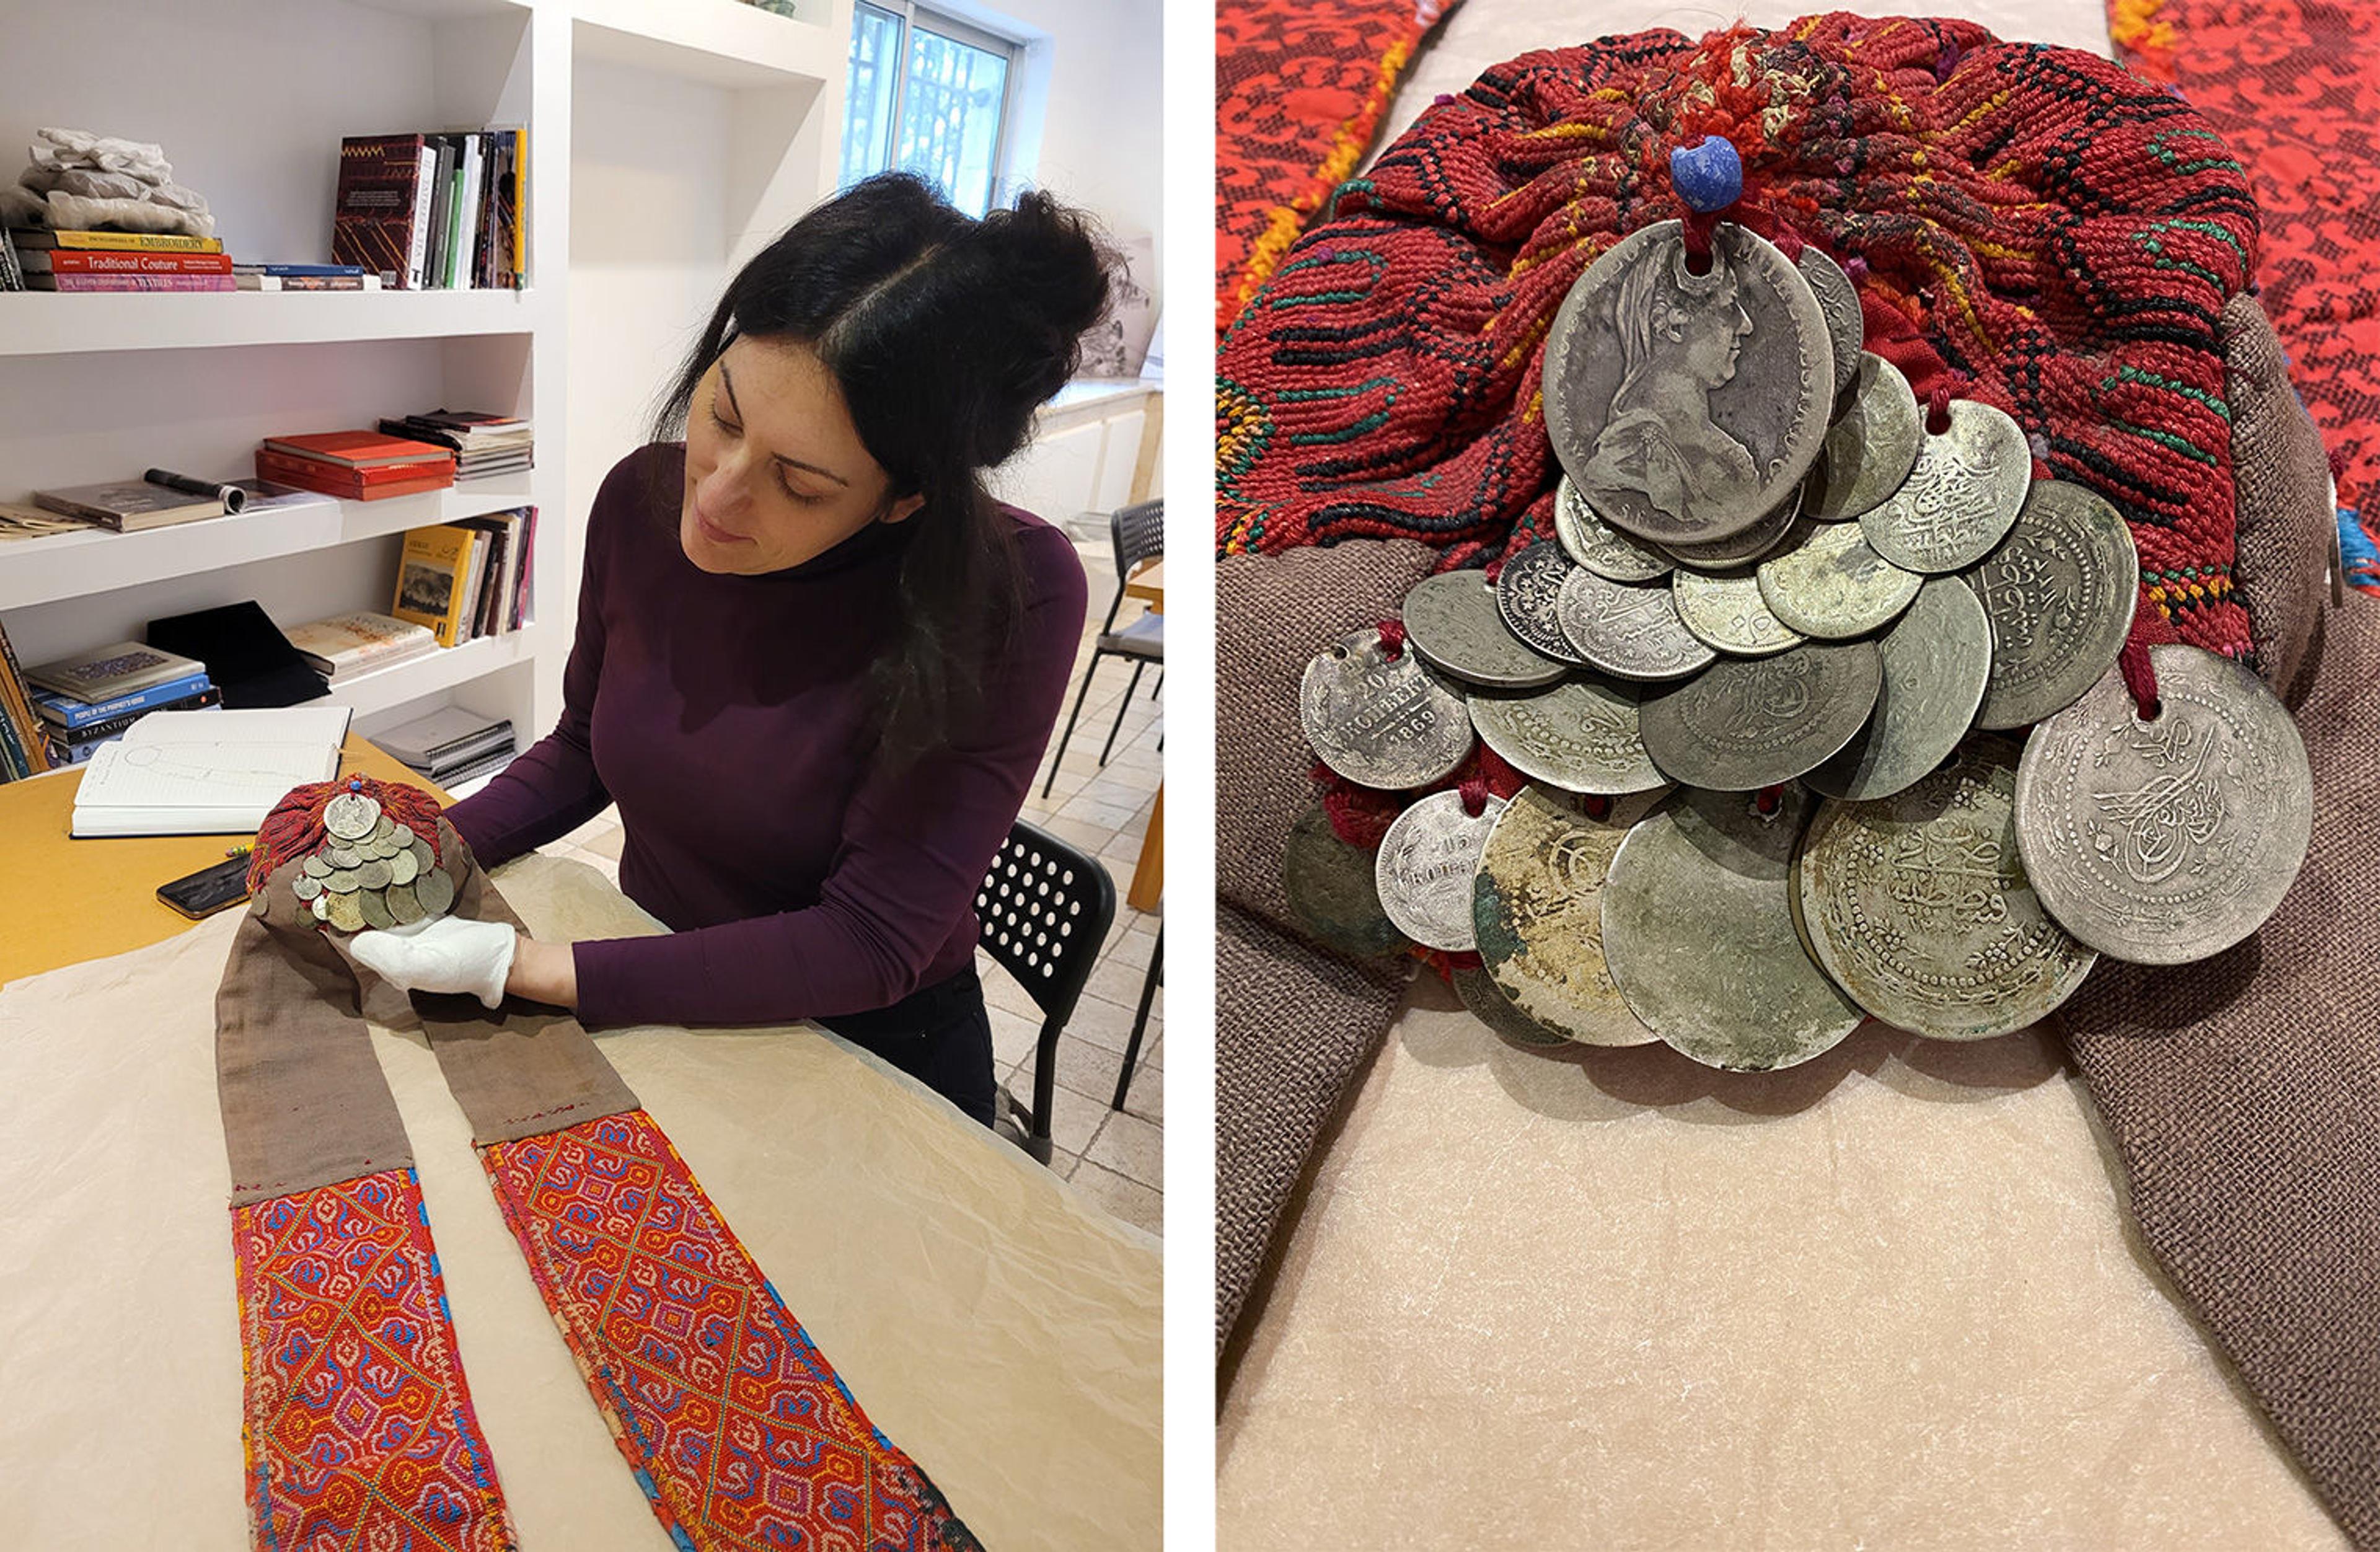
67, 901
1148, 873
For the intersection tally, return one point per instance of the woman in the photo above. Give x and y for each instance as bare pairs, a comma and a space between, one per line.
816, 665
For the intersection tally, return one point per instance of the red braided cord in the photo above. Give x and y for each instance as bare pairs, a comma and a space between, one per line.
1392, 640
2150, 628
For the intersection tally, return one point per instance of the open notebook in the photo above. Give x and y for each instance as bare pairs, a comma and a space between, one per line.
206, 773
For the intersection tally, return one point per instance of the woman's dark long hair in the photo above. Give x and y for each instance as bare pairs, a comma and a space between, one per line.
946, 334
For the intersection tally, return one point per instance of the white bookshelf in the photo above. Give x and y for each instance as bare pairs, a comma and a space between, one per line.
98, 387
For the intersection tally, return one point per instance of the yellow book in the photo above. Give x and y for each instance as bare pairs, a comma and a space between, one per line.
429, 581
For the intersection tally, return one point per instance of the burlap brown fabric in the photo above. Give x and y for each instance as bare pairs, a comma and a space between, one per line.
2282, 482
2243, 1093
1292, 1022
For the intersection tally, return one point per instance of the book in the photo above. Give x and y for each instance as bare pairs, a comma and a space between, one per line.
492, 611
12, 269
467, 237
69, 260
66, 711
16, 706
267, 495
429, 577
293, 270
31, 239
474, 579
74, 747
375, 207
523, 614
129, 505
498, 740
359, 449
346, 645
307, 282
121, 668
487, 765
439, 734
73, 283
19, 521
206, 773
330, 480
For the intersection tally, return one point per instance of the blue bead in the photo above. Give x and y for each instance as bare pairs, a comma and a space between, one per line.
1708, 177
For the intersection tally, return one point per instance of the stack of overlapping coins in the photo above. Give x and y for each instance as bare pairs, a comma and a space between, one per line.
1771, 693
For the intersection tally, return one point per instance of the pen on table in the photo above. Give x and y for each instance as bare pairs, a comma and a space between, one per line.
234, 497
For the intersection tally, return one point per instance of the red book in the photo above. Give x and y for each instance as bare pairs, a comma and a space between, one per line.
68, 260
131, 282
327, 478
379, 214
359, 449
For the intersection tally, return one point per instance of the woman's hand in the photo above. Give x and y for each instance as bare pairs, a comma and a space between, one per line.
444, 954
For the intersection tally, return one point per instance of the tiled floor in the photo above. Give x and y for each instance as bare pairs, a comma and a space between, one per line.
1115, 1157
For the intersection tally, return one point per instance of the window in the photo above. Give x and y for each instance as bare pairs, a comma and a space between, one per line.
928, 95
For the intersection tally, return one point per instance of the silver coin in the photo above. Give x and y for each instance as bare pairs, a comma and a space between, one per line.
1839, 304
346, 912
1528, 594
1599, 547
315, 866
343, 881
1492, 1008
384, 829
1763, 537
350, 816
1725, 610
345, 857
1579, 735
403, 904
375, 910
1537, 910
1382, 721
1963, 496
1936, 660
2061, 591
1332, 892
1698, 934
304, 886
1629, 630
423, 858
1832, 585
1425, 865
1917, 904
1451, 620
435, 890
321, 906
402, 868
2167, 841
1871, 450
373, 875
1686, 407
1752, 723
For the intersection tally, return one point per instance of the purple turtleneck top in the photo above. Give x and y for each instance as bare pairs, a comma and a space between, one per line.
728, 717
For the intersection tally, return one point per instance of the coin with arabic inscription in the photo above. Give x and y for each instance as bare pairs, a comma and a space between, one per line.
1833, 586
2061, 591
1528, 590
1382, 721
1537, 909
1840, 304
1934, 659
1580, 735
1686, 407
1451, 620
1750, 723
1961, 498
2165, 841
1917, 904
1871, 449
1629, 630
1425, 867
1333, 890
1486, 1002
1724, 609
1599, 547
1699, 933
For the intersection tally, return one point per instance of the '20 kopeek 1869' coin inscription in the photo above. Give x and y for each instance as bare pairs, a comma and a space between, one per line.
2165, 840
1381, 722
1917, 904
1686, 407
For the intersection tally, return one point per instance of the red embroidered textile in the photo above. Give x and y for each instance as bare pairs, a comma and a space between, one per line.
738, 1429
359, 1426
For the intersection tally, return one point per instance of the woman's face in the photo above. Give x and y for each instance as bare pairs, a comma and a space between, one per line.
1715, 338
775, 472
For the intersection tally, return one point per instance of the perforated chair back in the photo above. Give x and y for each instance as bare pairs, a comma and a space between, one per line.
1046, 907
1138, 534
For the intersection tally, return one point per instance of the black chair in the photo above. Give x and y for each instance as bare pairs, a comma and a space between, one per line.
1148, 985
1138, 535
1045, 907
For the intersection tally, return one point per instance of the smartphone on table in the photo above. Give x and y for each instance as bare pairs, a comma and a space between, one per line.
209, 890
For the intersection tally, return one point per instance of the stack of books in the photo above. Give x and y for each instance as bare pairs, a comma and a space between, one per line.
451, 746
23, 742
432, 212
59, 260
469, 579
356, 466
482, 444
346, 647
304, 277
93, 698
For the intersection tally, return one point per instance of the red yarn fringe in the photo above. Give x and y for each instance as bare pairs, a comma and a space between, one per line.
295, 828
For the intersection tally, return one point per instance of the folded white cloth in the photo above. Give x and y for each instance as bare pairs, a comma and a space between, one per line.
81, 148
73, 213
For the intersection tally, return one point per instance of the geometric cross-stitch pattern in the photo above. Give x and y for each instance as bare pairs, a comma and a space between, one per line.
738, 1430
358, 1428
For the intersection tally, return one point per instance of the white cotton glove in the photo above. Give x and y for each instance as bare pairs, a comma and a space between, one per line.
442, 954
